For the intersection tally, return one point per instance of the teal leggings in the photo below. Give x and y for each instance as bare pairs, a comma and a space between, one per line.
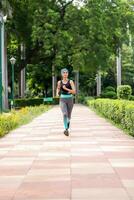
66, 105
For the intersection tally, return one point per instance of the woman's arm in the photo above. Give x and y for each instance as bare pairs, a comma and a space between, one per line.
71, 91
58, 88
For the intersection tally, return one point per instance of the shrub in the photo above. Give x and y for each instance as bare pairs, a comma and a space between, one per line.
16, 118
7, 123
55, 100
19, 103
109, 88
131, 98
124, 92
109, 94
28, 102
83, 99
129, 119
119, 111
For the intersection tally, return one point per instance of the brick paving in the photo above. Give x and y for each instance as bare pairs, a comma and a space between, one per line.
38, 162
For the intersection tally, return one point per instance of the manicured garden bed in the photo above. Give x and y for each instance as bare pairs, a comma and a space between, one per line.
15, 119
121, 112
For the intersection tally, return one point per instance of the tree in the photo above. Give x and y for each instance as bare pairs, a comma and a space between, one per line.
128, 65
59, 33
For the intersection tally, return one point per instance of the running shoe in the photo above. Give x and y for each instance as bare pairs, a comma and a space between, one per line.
66, 132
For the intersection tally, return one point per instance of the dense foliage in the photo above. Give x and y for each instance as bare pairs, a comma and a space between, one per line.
124, 92
59, 33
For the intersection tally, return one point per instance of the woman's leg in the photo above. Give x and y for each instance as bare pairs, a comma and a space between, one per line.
63, 106
69, 109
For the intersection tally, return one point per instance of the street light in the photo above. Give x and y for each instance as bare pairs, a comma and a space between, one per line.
13, 61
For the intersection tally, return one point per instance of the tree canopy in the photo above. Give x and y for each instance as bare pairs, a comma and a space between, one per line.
84, 36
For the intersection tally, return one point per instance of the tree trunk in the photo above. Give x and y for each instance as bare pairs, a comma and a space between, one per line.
118, 63
23, 82
4, 70
53, 81
99, 83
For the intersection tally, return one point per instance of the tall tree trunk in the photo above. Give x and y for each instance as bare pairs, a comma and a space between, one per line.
4, 70
53, 81
99, 83
118, 63
23, 82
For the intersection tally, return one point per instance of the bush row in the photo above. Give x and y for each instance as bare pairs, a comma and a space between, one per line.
83, 99
119, 111
19, 103
123, 92
14, 119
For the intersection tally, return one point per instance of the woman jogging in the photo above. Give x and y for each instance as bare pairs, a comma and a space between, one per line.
66, 89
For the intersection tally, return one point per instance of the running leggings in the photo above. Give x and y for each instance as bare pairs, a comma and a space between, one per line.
66, 105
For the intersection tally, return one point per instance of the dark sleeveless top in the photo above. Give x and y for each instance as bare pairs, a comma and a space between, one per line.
68, 85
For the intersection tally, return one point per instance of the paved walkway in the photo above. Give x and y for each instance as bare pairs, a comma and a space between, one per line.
37, 162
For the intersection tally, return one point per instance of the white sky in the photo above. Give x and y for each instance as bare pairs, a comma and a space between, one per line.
79, 3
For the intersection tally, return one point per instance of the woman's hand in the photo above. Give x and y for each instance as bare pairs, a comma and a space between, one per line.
65, 88
73, 91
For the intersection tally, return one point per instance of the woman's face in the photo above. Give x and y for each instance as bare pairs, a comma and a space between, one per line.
65, 74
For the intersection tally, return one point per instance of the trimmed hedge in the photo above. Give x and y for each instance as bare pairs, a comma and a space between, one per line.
124, 92
14, 119
83, 99
131, 98
28, 102
20, 103
120, 112
109, 88
109, 92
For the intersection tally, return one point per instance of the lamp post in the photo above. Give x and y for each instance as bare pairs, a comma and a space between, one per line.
12, 60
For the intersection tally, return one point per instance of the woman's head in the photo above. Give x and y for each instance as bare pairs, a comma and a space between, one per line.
64, 73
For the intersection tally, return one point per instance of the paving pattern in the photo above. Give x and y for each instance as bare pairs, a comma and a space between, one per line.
38, 162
